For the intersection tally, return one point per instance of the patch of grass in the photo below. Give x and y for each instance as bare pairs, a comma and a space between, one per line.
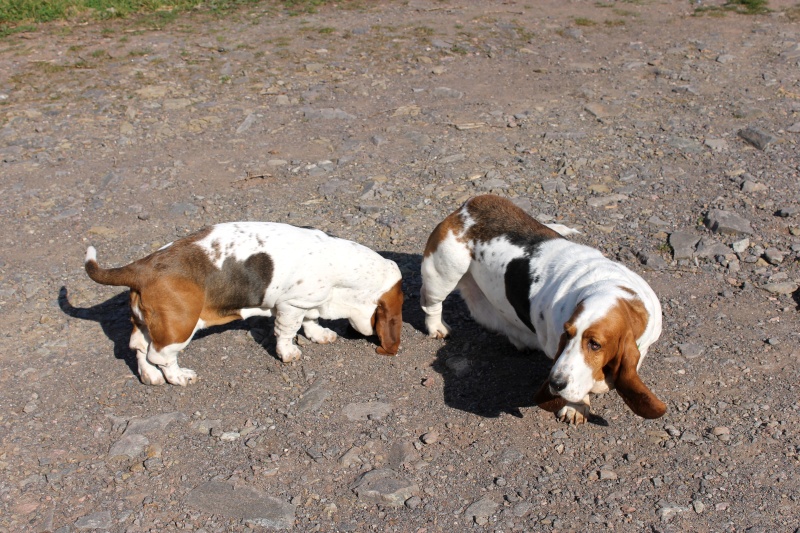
6, 30
139, 52
793, 13
743, 7
624, 12
583, 21
16, 13
326, 30
614, 22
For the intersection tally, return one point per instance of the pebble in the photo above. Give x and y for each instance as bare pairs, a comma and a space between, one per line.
481, 510
367, 411
430, 437
757, 137
683, 244
721, 221
100, 520
460, 366
781, 287
385, 487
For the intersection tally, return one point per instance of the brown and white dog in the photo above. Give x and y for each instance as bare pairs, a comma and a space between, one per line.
242, 269
594, 317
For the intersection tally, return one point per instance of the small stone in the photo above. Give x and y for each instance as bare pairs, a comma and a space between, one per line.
385, 487
683, 244
446, 92
721, 221
757, 137
717, 145
312, 399
481, 510
602, 111
101, 520
773, 256
698, 506
229, 436
752, 186
786, 212
607, 475
367, 411
350, 457
413, 502
430, 437
690, 351
720, 430
460, 366
741, 245
781, 287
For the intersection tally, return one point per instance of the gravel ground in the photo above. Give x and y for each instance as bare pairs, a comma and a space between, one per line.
669, 140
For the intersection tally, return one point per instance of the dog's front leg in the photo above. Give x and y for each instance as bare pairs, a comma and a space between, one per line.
167, 361
317, 333
149, 374
288, 320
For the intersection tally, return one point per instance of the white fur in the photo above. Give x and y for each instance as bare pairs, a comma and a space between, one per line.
568, 272
314, 276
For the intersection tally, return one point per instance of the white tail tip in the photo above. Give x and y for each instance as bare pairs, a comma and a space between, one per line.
91, 254
563, 230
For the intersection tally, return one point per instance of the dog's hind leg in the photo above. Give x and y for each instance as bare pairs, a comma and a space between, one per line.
441, 271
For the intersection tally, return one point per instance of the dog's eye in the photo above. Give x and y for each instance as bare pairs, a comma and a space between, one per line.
594, 345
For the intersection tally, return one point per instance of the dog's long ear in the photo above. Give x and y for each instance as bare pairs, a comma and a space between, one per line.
630, 386
389, 320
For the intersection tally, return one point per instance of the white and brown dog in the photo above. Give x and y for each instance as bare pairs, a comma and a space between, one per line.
242, 269
594, 317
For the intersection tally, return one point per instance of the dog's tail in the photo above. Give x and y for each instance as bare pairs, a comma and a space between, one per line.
122, 276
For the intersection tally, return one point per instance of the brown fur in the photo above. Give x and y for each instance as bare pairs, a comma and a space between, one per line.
387, 321
495, 216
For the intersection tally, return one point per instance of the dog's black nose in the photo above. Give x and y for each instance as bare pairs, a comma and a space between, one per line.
557, 385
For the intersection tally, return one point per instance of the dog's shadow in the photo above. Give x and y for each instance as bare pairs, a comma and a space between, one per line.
114, 314
482, 372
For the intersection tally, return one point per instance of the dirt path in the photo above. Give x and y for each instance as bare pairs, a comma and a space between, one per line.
633, 121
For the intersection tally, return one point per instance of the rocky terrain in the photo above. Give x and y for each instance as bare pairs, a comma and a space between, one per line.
669, 139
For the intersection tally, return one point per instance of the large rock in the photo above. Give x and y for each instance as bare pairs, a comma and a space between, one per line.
683, 243
721, 221
367, 411
243, 503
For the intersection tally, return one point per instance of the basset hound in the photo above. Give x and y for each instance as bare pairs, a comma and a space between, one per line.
593, 316
241, 269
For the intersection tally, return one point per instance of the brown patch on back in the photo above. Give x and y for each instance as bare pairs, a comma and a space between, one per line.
495, 216
451, 224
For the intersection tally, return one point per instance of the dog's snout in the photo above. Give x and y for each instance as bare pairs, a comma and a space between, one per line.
557, 385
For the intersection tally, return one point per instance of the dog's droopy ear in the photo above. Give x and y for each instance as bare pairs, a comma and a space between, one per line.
630, 386
389, 320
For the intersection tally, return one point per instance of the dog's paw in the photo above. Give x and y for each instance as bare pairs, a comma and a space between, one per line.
181, 377
574, 413
320, 335
288, 352
437, 329
151, 375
